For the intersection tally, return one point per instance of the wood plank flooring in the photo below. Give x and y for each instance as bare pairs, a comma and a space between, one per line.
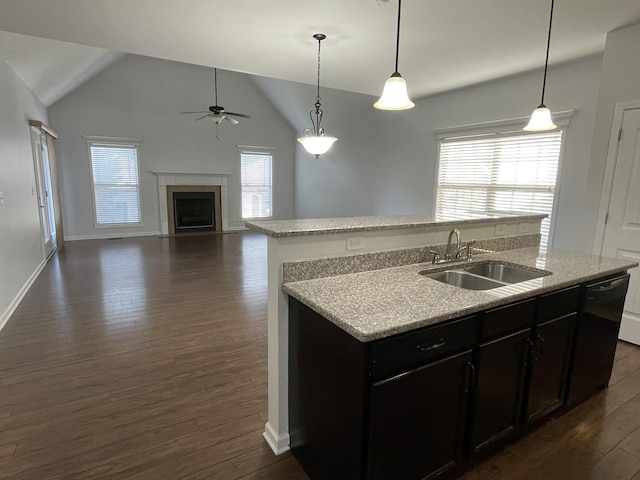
145, 358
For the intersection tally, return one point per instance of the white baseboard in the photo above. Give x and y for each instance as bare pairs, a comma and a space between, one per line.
630, 329
278, 443
6, 315
106, 236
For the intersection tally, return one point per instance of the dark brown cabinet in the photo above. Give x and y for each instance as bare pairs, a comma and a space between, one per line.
419, 405
417, 418
497, 400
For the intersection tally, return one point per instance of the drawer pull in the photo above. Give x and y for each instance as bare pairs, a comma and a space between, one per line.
423, 348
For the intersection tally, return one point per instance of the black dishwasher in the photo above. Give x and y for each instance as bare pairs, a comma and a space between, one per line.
596, 336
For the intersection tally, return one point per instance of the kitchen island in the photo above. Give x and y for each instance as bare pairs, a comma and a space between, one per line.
394, 374
312, 248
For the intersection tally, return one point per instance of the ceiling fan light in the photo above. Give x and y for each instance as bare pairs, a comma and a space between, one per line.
317, 145
216, 117
540, 120
394, 95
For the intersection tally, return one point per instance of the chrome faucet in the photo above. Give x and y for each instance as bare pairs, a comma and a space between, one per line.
447, 255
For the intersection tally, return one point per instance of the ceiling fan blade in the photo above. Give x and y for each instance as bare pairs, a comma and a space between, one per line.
195, 112
242, 115
203, 116
233, 121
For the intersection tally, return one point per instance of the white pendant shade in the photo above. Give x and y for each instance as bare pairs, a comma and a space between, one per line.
540, 120
317, 145
394, 95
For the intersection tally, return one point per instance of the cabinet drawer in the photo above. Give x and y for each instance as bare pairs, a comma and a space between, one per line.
509, 318
558, 304
408, 350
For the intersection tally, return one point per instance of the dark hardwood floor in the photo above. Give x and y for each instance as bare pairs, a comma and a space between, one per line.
145, 358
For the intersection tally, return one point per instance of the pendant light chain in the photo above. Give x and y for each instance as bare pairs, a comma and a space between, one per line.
398, 34
318, 91
546, 60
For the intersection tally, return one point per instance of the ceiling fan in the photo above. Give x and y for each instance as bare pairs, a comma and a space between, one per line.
216, 112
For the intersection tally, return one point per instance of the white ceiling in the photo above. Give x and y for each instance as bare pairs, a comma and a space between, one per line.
445, 44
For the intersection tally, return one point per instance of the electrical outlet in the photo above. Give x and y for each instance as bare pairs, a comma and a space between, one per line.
355, 243
501, 229
523, 227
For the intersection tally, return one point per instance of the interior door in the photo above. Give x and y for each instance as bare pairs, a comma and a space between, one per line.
44, 192
622, 231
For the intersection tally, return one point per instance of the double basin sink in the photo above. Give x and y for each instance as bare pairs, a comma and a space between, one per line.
485, 275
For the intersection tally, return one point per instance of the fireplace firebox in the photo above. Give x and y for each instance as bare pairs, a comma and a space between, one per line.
194, 212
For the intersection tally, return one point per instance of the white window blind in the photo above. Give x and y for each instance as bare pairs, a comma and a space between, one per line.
115, 182
256, 180
498, 174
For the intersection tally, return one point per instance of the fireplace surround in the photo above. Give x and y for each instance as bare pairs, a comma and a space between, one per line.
169, 182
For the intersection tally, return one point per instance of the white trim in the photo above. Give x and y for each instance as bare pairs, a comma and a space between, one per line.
561, 118
255, 149
166, 179
278, 443
629, 328
111, 235
113, 142
609, 170
6, 315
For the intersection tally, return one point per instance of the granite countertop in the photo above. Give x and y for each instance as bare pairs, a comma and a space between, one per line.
379, 303
320, 226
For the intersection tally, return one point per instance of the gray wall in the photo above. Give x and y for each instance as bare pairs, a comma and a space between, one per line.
385, 162
620, 83
140, 97
21, 252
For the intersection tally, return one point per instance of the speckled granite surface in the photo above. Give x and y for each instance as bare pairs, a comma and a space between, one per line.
319, 226
299, 270
378, 303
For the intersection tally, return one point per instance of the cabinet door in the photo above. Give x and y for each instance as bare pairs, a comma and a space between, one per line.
549, 366
501, 366
417, 420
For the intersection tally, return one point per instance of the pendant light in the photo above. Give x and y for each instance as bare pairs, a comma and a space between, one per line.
541, 116
394, 95
314, 140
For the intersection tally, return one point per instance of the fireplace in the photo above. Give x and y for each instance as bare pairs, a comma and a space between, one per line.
193, 208
194, 212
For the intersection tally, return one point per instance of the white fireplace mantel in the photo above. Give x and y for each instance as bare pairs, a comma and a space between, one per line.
172, 178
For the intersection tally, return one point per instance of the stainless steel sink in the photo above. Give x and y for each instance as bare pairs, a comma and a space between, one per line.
486, 275
504, 273
461, 279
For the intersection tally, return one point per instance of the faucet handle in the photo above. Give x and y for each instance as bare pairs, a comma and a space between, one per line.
436, 256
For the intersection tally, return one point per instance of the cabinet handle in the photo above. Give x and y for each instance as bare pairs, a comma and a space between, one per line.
439, 344
471, 384
608, 286
539, 351
529, 355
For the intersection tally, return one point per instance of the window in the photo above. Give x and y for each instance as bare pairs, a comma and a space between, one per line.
256, 180
496, 174
116, 188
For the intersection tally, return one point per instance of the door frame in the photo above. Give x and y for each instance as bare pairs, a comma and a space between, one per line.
44, 196
610, 167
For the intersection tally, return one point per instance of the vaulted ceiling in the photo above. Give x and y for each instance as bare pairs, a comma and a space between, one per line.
445, 44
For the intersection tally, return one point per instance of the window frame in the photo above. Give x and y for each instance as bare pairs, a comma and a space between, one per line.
263, 151
502, 128
93, 141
